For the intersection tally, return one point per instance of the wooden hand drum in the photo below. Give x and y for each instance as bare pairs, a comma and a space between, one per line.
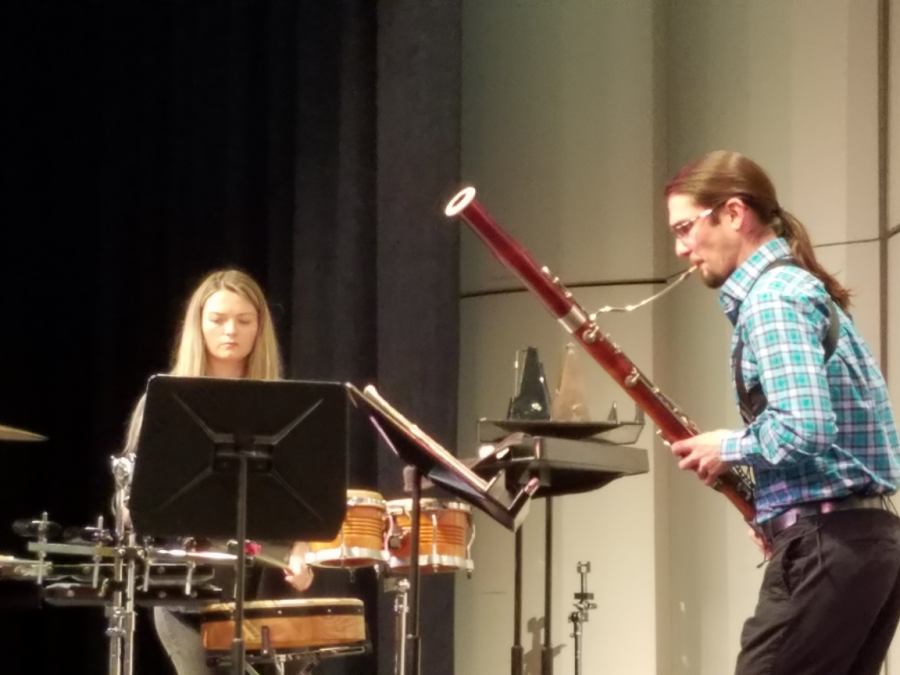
292, 624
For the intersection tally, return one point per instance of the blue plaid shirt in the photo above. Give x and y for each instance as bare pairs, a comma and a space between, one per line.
827, 431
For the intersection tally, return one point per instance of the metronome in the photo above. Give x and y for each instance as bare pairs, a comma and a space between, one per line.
532, 399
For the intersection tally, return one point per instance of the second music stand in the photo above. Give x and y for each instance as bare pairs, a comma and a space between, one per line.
494, 496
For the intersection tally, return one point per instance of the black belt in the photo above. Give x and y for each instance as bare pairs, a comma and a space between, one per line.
782, 521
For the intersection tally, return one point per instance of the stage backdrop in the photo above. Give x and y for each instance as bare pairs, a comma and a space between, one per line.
312, 144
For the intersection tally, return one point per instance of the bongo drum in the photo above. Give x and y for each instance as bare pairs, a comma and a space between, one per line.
291, 624
360, 543
445, 535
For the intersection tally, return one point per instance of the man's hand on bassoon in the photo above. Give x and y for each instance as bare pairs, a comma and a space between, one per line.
700, 454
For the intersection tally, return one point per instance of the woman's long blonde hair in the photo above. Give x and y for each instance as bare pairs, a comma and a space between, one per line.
190, 358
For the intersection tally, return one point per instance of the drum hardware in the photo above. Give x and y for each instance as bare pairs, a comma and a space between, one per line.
583, 605
305, 661
109, 577
192, 560
15, 568
42, 530
99, 535
400, 586
120, 614
116, 593
122, 470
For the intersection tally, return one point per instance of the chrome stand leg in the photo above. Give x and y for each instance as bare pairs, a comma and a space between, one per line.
121, 614
400, 586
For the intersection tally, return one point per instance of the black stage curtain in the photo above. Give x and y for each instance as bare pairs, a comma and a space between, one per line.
310, 143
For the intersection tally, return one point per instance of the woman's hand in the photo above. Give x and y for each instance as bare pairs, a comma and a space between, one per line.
300, 575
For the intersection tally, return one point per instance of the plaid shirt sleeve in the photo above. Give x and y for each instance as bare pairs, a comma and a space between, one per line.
784, 334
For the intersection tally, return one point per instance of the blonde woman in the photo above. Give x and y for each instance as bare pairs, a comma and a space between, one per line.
227, 331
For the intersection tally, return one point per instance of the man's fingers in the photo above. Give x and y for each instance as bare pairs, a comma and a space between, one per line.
688, 463
681, 449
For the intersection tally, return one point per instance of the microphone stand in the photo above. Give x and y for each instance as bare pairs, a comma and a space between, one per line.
580, 615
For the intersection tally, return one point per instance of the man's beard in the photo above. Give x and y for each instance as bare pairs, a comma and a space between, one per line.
710, 279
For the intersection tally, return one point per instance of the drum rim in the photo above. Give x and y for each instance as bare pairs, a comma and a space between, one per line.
405, 505
264, 609
449, 563
371, 556
375, 497
287, 603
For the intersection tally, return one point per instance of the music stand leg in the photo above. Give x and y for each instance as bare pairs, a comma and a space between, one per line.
547, 651
518, 657
412, 640
238, 653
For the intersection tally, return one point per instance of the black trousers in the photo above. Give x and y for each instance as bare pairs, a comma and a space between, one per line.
830, 598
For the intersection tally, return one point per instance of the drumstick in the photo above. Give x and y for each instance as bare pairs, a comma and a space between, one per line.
273, 562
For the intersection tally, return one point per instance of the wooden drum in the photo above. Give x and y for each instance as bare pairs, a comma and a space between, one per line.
292, 624
360, 543
445, 535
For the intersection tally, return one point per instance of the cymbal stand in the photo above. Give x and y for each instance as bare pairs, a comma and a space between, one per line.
121, 613
580, 615
400, 586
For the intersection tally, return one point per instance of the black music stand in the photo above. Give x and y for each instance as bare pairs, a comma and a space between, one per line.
502, 499
257, 459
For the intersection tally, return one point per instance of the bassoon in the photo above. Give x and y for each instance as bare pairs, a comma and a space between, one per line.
673, 424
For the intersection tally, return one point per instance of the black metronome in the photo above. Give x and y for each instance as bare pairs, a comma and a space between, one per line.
532, 400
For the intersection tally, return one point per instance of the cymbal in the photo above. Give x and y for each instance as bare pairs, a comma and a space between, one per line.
11, 434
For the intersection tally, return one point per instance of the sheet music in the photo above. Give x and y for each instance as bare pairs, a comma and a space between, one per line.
371, 396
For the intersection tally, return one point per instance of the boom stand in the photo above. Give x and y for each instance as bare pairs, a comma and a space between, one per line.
283, 443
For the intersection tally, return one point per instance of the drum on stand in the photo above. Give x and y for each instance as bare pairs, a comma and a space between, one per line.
286, 625
360, 543
446, 534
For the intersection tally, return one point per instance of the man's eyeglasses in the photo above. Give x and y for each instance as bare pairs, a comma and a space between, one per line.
683, 228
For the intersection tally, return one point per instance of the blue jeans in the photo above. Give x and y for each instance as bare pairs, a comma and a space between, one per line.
181, 641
